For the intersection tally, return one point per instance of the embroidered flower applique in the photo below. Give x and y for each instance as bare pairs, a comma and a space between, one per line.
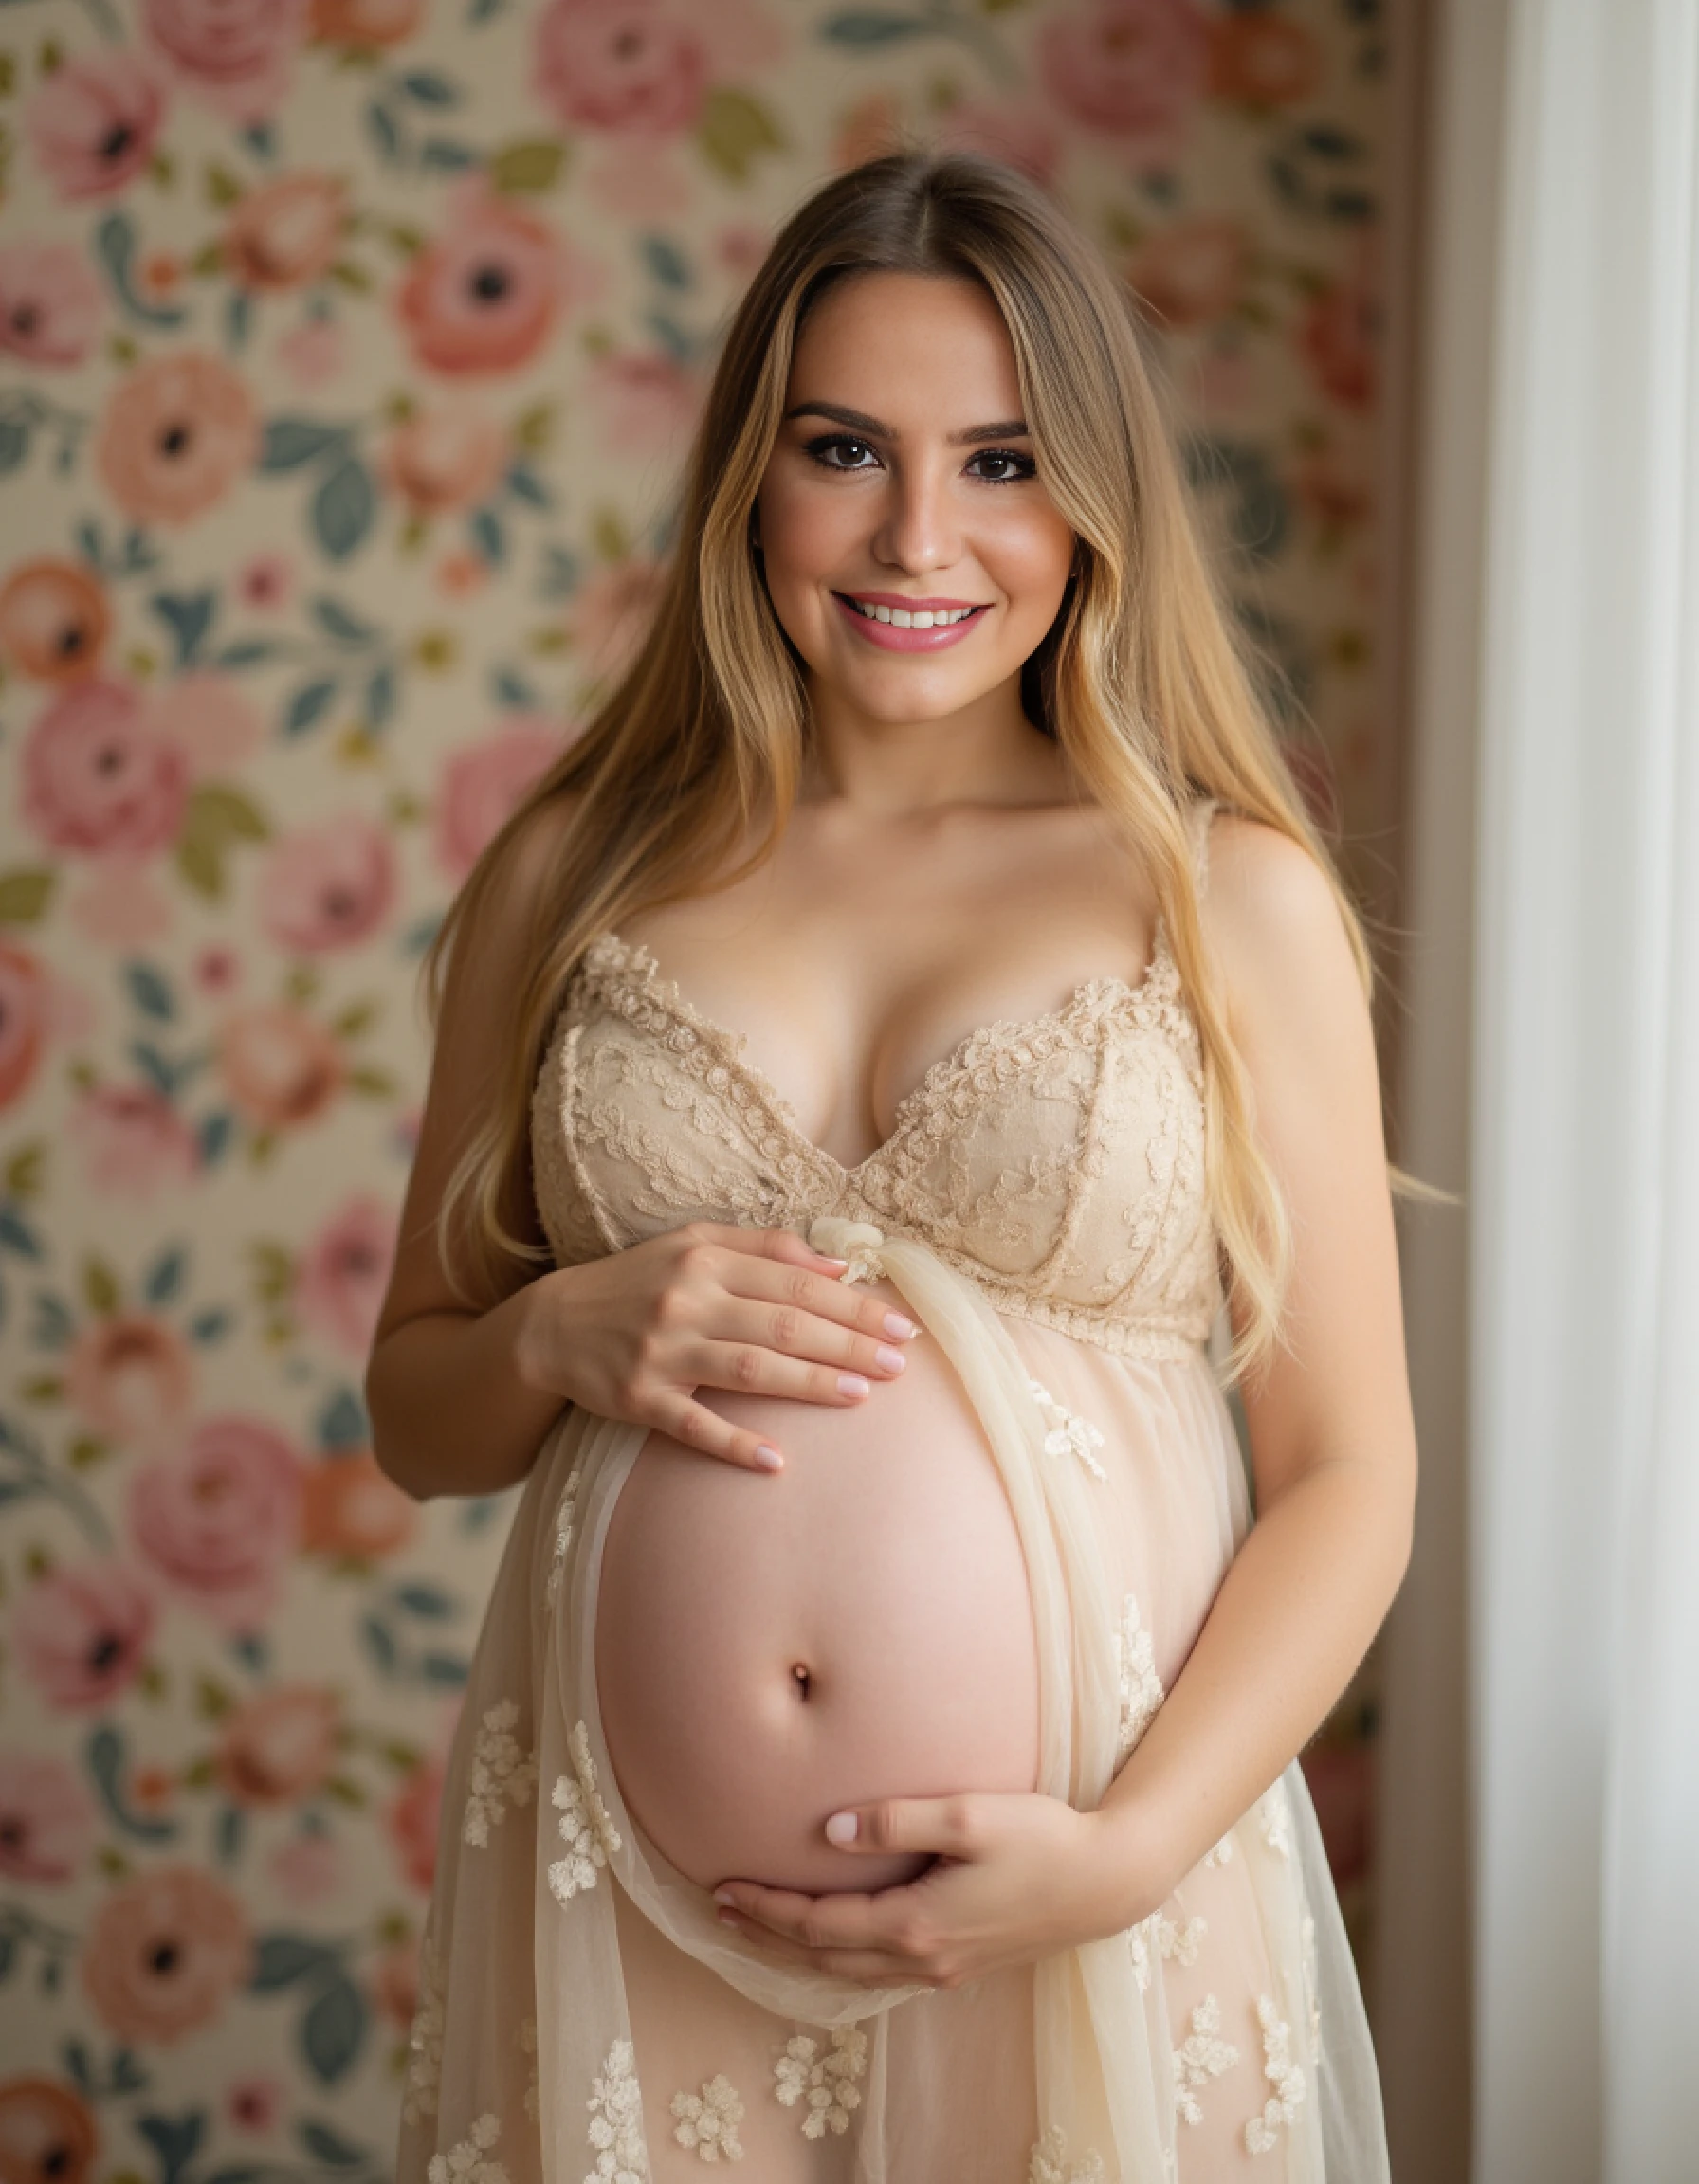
424, 2039
1171, 1941
1262, 2134
616, 2120
502, 1773
1205, 2055
586, 1828
1222, 1854
708, 2121
565, 1520
1135, 1670
828, 2082
1068, 1433
465, 2164
1050, 2164
1274, 1814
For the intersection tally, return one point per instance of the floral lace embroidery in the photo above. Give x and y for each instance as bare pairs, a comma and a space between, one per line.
1173, 1942
1205, 2055
424, 2039
1050, 2164
616, 2120
1068, 1431
828, 2083
465, 2164
565, 1518
586, 1829
503, 1775
1141, 1686
527, 2040
1274, 1813
708, 2121
1222, 1854
1262, 2134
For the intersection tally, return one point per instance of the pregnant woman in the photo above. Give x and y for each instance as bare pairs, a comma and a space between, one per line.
868, 1064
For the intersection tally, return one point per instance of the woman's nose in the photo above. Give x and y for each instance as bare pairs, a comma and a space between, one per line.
920, 527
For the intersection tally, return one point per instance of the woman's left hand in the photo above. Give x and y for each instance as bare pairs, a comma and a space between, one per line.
1018, 1877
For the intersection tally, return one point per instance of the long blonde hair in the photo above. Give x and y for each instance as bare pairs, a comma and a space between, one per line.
1140, 681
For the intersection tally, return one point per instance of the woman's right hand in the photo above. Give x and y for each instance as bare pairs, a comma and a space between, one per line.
755, 1311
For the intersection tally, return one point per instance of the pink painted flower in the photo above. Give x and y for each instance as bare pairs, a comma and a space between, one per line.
46, 2131
93, 122
132, 1140
164, 1954
54, 620
1339, 339
25, 1019
51, 305
367, 25
307, 1869
177, 434
255, 2105
1192, 271
279, 1066
211, 721
265, 580
122, 904
46, 1819
285, 234
611, 615
482, 784
1132, 70
484, 295
341, 1276
328, 885
445, 456
740, 248
219, 1518
395, 1977
412, 1820
313, 354
644, 404
97, 777
131, 1378
79, 1632
235, 55
216, 968
277, 1748
353, 1512
628, 64
1260, 59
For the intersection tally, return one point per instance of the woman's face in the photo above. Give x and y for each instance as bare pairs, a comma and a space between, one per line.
903, 481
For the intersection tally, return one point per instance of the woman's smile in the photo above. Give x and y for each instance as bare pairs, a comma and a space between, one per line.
899, 625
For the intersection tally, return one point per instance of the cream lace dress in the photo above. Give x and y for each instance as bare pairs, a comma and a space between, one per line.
583, 2015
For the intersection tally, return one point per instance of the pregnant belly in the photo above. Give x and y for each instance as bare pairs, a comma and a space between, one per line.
769, 1649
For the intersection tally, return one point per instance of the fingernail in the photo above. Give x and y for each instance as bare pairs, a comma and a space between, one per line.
841, 1828
768, 1457
852, 1384
895, 1324
892, 1360
725, 1896
725, 1917
827, 1260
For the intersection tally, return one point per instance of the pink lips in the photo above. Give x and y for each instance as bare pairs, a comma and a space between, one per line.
890, 639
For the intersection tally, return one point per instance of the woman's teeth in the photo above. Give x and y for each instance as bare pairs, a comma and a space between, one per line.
900, 618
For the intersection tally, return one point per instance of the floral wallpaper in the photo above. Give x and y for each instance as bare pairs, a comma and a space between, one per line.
345, 350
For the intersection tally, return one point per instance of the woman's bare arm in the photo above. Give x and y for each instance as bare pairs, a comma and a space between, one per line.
1332, 1434
452, 1413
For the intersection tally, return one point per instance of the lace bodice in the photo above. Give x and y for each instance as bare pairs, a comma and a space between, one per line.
1057, 1162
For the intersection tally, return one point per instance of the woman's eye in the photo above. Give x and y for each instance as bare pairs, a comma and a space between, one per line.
827, 451
1009, 465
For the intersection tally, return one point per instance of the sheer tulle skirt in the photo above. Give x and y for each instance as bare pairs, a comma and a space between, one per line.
584, 2015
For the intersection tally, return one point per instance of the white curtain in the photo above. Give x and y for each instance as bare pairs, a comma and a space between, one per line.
1584, 1212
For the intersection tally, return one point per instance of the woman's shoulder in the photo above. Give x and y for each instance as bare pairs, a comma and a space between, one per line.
1272, 919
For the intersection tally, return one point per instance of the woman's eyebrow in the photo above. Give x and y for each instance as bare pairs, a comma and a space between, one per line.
858, 421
